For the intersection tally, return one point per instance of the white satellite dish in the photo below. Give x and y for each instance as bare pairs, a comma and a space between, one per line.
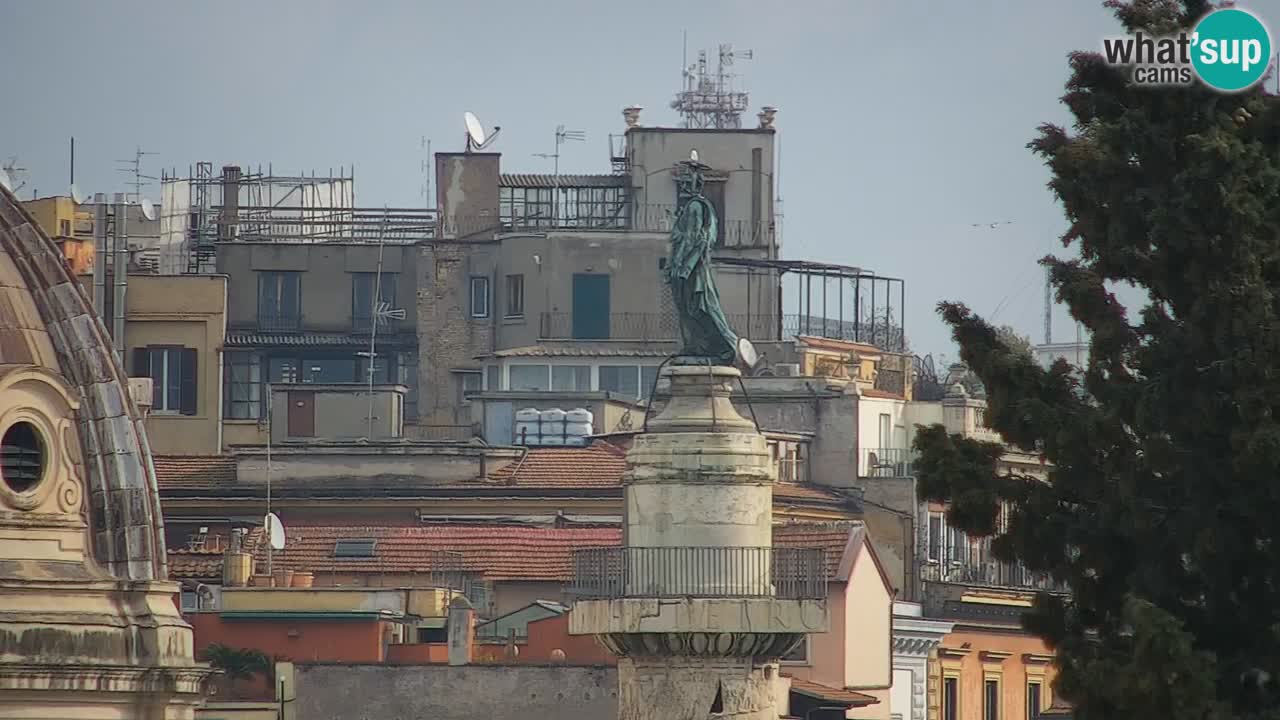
76, 197
275, 530
6, 180
693, 156
475, 131
148, 210
747, 354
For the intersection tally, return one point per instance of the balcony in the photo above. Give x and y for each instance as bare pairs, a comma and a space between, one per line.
279, 322
887, 462
990, 574
700, 572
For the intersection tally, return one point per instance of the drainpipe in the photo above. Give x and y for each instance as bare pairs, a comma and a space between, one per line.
100, 253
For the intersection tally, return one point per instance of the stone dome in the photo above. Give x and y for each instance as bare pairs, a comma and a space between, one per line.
47, 322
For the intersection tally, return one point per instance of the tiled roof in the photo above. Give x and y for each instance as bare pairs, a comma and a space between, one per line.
597, 465
650, 350
791, 492
186, 564
195, 564
833, 537
543, 180
255, 339
194, 471
826, 693
500, 552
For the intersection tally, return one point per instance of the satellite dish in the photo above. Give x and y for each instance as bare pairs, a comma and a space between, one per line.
693, 156
148, 210
275, 531
747, 353
475, 131
6, 180
76, 196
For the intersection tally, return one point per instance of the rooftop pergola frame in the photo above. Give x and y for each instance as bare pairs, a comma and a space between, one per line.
840, 302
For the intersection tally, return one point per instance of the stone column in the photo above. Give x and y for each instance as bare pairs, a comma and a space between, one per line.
695, 604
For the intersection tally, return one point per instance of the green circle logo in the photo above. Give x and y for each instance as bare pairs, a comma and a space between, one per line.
1231, 50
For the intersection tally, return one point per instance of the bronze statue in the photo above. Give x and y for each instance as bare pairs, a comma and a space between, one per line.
704, 332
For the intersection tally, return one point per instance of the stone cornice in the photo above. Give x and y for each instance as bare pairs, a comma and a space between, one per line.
916, 646
952, 652
994, 656
1036, 659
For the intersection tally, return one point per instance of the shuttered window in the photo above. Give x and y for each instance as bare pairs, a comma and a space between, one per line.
173, 373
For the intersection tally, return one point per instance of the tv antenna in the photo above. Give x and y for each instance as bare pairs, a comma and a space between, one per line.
425, 189
477, 139
9, 175
77, 197
134, 167
562, 136
382, 313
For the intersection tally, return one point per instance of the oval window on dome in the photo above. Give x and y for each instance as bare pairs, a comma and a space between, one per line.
22, 457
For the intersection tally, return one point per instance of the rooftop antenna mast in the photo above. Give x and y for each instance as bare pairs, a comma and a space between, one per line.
1048, 307
134, 167
562, 136
708, 99
380, 313
9, 175
426, 171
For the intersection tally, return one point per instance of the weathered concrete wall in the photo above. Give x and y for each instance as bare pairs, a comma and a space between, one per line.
890, 513
440, 692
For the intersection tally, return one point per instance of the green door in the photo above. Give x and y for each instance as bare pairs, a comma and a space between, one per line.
590, 306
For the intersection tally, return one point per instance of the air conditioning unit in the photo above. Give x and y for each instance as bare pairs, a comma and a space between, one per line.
140, 391
787, 369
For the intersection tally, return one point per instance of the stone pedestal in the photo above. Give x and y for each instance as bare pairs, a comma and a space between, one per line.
692, 603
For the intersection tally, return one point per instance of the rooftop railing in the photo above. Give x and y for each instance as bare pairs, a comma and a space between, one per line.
888, 462
990, 574
702, 572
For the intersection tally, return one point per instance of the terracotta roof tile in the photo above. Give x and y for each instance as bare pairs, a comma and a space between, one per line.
822, 343
795, 492
186, 564
833, 537
882, 394
198, 471
499, 552
597, 465
830, 694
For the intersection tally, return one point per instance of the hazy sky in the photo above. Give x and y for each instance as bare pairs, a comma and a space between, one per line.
901, 123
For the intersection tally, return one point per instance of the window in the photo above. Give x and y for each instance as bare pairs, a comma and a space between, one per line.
951, 698
381, 370
570, 377
1033, 700
331, 370
480, 297
64, 228
530, 377
991, 700
355, 548
362, 288
242, 383
468, 382
493, 378
936, 522
407, 371
279, 300
648, 374
621, 379
173, 378
886, 427
584, 207
515, 296
800, 655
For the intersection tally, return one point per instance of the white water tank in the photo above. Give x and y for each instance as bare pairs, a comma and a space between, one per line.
579, 415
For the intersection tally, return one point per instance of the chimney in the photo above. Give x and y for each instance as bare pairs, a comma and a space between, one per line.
237, 565
632, 115
461, 631
230, 203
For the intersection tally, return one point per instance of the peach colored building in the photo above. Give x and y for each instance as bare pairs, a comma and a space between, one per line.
856, 653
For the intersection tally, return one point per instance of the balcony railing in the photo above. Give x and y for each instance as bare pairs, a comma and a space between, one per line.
677, 572
990, 573
888, 462
651, 327
279, 322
